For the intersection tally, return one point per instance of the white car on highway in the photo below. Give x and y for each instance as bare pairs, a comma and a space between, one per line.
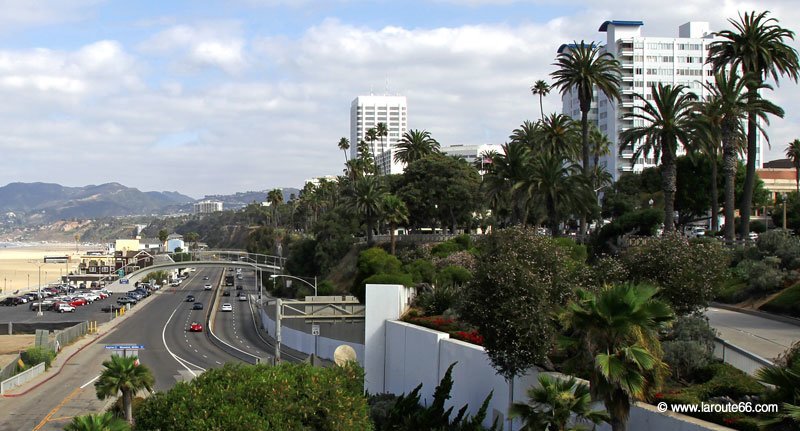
207, 287
226, 307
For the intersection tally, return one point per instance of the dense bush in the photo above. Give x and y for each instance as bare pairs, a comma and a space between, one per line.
453, 276
761, 277
459, 243
403, 279
36, 355
302, 257
521, 279
244, 397
642, 222
608, 270
438, 300
689, 345
690, 274
782, 244
421, 270
376, 266
463, 259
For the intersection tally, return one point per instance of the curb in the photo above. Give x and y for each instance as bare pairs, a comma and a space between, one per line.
61, 367
762, 314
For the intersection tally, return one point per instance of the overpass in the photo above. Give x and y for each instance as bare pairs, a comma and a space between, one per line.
212, 258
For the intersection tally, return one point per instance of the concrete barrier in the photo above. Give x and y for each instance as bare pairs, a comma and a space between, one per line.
738, 357
21, 378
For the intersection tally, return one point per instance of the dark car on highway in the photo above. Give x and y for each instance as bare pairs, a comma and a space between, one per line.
226, 293
197, 306
190, 298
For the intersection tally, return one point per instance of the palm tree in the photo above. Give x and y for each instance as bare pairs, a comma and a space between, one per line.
784, 382
395, 212
125, 375
97, 422
541, 88
415, 145
617, 328
344, 145
275, 198
719, 120
599, 144
367, 202
558, 184
793, 154
707, 141
557, 134
583, 68
371, 136
382, 132
757, 46
192, 237
553, 404
667, 122
506, 170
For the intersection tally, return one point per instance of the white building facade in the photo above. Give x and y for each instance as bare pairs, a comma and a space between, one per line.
365, 113
646, 61
205, 207
473, 154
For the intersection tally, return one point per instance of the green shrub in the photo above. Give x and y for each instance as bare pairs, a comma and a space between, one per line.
689, 274
786, 302
241, 397
375, 261
326, 288
36, 355
421, 270
438, 300
761, 277
782, 244
689, 345
641, 222
733, 290
446, 248
404, 279
608, 270
758, 226
117, 409
577, 252
728, 381
453, 276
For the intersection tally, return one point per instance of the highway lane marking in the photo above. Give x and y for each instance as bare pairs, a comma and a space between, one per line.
57, 408
90, 381
174, 356
218, 362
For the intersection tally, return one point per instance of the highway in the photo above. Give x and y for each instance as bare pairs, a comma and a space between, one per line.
237, 327
764, 337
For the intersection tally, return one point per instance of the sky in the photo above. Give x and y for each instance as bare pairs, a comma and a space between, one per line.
215, 97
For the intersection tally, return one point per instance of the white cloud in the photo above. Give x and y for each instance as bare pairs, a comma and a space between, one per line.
215, 44
18, 14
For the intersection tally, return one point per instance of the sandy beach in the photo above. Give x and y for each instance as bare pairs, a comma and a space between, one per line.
20, 265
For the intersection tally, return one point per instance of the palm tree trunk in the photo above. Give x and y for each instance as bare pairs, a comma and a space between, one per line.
586, 168
552, 216
392, 227
370, 240
127, 404
541, 106
345, 157
668, 185
618, 425
714, 195
745, 206
729, 173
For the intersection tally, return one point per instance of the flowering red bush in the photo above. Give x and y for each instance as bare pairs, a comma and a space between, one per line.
471, 337
457, 330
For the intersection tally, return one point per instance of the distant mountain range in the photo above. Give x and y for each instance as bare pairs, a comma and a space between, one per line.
47, 202
44, 202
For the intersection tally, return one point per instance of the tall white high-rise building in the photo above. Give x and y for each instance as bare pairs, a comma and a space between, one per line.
645, 61
365, 113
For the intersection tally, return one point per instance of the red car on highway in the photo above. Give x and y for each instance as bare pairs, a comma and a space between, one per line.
195, 327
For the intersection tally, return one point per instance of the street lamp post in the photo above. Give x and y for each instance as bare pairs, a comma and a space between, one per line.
39, 313
783, 198
274, 276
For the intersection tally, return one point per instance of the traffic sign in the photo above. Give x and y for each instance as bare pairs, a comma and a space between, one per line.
125, 347
123, 281
314, 329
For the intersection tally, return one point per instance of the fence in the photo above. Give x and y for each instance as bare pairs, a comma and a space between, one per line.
738, 357
63, 337
10, 369
21, 378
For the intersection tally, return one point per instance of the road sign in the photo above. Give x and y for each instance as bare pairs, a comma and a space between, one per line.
121, 272
124, 281
125, 347
314, 329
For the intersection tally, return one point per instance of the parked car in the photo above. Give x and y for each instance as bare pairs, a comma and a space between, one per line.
77, 302
126, 300
195, 327
63, 307
112, 308
189, 298
11, 301
197, 306
226, 307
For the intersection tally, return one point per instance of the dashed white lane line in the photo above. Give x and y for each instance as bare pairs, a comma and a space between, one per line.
218, 362
90, 381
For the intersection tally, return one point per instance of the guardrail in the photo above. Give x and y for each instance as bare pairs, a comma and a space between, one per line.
738, 357
222, 345
21, 378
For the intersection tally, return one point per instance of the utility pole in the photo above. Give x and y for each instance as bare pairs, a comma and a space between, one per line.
277, 330
784, 210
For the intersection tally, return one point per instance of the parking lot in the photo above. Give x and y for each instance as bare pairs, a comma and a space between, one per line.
91, 312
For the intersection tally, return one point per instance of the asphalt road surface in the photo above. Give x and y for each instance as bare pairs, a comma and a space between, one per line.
764, 337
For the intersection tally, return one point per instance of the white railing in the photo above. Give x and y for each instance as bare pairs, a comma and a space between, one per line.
21, 378
738, 357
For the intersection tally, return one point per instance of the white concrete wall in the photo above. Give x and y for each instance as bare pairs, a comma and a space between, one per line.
384, 302
304, 342
412, 359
